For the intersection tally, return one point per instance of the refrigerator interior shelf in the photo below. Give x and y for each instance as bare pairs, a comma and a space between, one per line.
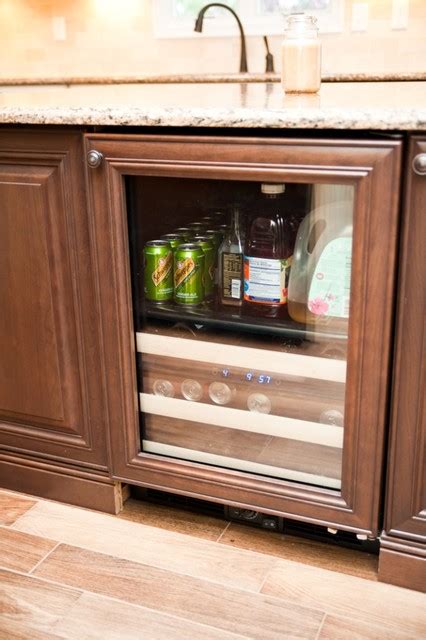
238, 419
216, 353
242, 465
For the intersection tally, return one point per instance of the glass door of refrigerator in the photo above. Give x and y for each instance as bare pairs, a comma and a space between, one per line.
257, 385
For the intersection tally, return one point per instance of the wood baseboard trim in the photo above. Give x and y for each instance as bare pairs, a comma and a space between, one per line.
404, 567
99, 493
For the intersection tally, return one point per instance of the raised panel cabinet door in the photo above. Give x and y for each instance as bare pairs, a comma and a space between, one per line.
51, 394
405, 517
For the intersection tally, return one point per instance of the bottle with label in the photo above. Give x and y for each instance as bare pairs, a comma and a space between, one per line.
230, 261
319, 287
267, 252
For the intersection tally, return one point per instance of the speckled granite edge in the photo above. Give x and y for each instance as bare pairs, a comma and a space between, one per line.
211, 78
413, 119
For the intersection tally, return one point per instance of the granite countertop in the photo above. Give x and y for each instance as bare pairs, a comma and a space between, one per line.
379, 105
395, 76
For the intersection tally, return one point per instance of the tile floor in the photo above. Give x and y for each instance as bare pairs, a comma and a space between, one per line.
158, 573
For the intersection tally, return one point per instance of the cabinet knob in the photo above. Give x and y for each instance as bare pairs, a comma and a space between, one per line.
419, 164
94, 158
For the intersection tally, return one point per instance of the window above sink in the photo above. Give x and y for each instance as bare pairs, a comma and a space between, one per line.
176, 18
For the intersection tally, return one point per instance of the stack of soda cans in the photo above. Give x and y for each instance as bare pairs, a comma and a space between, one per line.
181, 266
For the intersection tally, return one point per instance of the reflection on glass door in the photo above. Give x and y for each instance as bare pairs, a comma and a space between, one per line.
242, 300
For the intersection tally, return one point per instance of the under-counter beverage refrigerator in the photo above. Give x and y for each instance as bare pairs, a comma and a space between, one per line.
246, 286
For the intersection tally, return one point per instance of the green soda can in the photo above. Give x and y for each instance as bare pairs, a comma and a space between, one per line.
185, 232
158, 276
197, 226
189, 274
218, 215
217, 235
207, 245
174, 239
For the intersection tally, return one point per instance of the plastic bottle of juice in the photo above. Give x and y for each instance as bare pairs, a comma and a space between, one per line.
319, 284
267, 251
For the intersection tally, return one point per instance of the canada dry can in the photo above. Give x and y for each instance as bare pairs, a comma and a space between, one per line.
197, 226
158, 282
218, 236
217, 214
174, 239
206, 243
189, 274
210, 235
185, 232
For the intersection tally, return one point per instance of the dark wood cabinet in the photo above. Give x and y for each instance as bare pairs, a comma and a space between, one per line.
52, 402
372, 167
403, 543
72, 354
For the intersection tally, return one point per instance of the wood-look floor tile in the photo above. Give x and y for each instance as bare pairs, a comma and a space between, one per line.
318, 554
12, 505
27, 603
97, 618
371, 602
15, 630
233, 610
173, 519
338, 628
149, 545
21, 551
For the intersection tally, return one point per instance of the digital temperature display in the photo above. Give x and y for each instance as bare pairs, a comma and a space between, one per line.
262, 378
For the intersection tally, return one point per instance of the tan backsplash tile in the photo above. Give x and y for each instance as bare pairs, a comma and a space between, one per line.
115, 37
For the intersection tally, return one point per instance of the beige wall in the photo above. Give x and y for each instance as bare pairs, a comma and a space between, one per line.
114, 37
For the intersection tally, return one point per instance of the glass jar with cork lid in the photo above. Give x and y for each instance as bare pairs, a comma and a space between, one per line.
301, 55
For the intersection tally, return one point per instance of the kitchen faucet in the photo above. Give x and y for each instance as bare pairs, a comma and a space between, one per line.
199, 27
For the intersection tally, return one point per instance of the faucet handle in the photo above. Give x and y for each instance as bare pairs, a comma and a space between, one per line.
269, 57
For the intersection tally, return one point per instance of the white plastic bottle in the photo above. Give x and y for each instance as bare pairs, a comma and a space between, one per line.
320, 276
301, 55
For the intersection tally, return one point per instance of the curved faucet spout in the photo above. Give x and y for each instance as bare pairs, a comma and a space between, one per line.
199, 27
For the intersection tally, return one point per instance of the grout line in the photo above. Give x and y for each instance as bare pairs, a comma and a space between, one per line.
44, 558
224, 531
317, 637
